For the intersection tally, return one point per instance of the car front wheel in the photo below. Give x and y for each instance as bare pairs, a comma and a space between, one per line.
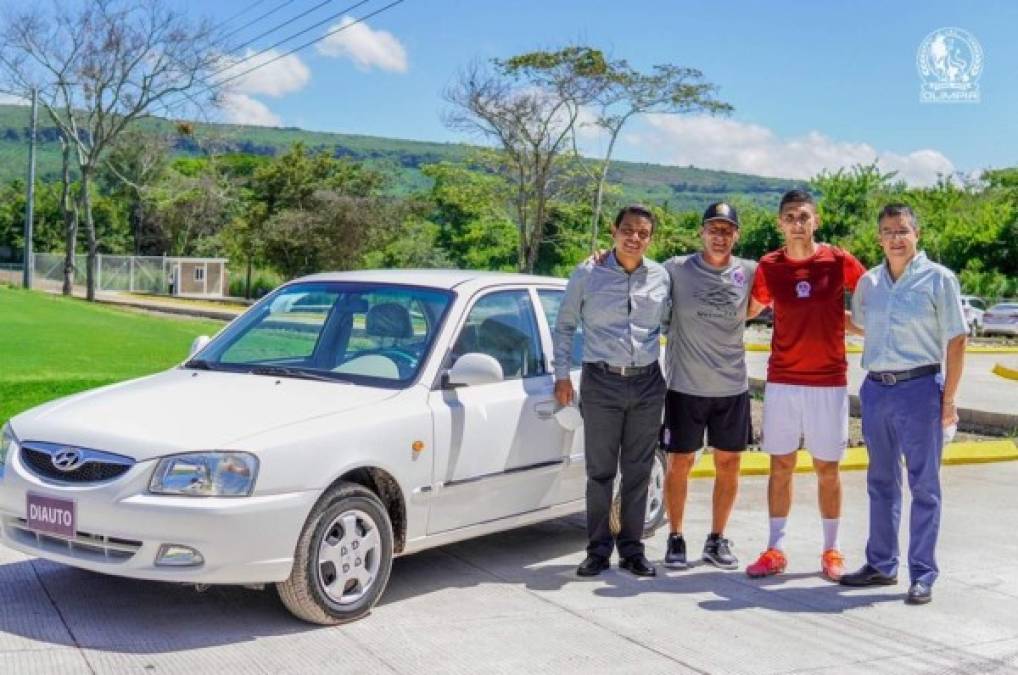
343, 558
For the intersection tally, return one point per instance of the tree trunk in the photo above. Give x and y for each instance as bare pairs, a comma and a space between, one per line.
93, 246
70, 213
602, 179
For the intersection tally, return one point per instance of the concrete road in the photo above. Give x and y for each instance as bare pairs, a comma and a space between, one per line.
511, 603
980, 388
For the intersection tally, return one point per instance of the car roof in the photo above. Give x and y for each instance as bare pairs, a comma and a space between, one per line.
436, 278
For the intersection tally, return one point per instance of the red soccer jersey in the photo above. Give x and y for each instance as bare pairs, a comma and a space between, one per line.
808, 296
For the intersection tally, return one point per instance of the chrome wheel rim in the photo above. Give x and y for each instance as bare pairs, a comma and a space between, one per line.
349, 557
655, 490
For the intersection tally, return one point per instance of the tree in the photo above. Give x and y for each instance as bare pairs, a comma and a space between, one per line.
100, 66
134, 164
625, 93
528, 105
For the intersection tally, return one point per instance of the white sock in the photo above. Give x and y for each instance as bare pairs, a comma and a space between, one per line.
830, 532
777, 538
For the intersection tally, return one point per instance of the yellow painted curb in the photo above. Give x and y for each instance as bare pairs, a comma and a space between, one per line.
856, 459
1004, 371
856, 349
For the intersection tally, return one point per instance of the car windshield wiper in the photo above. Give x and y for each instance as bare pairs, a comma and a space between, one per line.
200, 364
286, 371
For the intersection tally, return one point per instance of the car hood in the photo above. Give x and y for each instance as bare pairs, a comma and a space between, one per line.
183, 410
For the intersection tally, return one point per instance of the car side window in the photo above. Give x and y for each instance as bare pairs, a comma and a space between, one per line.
550, 303
503, 326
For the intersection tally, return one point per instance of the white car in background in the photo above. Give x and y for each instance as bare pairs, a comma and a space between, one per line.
973, 309
343, 420
1001, 319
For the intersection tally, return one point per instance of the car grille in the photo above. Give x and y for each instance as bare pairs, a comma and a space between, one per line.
95, 466
85, 545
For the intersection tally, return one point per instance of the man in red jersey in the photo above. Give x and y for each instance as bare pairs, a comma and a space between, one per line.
806, 395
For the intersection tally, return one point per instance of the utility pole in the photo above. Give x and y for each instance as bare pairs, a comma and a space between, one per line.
30, 199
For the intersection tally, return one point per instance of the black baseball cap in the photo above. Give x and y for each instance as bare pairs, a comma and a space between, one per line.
721, 211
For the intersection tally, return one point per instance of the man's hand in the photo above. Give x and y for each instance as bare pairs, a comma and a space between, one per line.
948, 413
564, 392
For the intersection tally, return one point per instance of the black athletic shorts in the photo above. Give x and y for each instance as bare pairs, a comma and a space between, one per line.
726, 420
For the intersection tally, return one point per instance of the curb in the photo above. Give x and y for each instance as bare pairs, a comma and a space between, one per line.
857, 459
1005, 372
195, 312
856, 349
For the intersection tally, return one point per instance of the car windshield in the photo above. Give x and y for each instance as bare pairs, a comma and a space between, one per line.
374, 334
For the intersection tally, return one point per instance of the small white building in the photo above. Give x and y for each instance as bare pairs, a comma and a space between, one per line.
196, 277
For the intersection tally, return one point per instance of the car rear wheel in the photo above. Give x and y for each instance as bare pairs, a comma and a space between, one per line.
343, 558
655, 499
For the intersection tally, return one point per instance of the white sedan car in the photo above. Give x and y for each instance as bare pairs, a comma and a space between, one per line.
343, 420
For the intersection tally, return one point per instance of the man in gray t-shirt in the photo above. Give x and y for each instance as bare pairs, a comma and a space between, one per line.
707, 385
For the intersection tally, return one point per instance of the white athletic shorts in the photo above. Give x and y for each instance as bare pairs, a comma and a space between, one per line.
816, 415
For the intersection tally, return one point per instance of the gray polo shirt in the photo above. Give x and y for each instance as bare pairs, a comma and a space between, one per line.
621, 314
706, 355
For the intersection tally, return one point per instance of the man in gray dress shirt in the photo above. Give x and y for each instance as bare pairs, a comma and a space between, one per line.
621, 305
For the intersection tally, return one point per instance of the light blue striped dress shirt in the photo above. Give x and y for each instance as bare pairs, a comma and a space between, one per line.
622, 314
909, 322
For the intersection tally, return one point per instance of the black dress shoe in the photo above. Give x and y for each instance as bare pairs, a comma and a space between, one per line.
867, 575
592, 565
919, 593
638, 565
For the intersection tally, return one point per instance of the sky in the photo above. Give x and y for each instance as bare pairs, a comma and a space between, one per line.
815, 86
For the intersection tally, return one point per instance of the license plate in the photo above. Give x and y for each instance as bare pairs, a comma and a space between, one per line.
51, 515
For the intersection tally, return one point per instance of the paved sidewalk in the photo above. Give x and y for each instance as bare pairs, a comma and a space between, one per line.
510, 603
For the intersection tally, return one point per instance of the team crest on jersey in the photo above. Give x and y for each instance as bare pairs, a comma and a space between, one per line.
739, 277
802, 289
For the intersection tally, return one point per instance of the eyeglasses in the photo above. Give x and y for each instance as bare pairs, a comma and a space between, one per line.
891, 235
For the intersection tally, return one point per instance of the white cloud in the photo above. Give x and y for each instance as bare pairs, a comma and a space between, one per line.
281, 77
721, 143
10, 99
367, 48
242, 109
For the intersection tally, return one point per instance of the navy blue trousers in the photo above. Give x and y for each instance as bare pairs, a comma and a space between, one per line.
903, 421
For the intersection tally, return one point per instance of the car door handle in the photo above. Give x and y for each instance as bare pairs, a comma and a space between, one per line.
545, 409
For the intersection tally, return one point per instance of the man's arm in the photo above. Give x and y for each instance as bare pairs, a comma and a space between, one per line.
562, 336
850, 326
754, 309
955, 364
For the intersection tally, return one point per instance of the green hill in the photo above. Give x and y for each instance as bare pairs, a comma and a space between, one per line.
681, 187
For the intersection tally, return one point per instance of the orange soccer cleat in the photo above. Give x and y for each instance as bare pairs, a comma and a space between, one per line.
832, 565
772, 561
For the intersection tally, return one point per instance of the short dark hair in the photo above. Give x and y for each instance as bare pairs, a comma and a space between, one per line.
796, 196
636, 210
896, 209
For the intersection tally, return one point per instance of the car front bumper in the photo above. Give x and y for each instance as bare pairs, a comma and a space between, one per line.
121, 528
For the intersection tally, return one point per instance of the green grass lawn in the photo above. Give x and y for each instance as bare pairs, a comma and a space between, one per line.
52, 346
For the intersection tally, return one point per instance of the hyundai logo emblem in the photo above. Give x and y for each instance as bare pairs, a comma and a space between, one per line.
67, 459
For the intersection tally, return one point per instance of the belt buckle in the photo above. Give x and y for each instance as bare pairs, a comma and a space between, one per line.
888, 379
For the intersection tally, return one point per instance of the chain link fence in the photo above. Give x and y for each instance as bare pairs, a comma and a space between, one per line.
132, 273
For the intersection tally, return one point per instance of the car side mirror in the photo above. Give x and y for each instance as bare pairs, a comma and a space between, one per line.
198, 345
472, 369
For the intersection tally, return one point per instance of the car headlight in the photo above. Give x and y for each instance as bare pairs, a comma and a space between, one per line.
206, 474
8, 446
